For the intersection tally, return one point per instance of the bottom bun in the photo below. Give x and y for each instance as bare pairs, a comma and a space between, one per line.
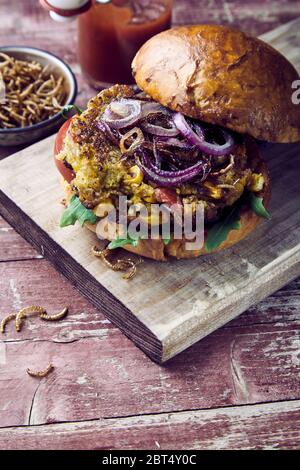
157, 250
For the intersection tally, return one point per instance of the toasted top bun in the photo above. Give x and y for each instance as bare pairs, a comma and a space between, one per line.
221, 76
157, 250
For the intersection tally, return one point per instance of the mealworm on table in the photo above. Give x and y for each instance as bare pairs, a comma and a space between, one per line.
58, 316
41, 373
23, 313
6, 320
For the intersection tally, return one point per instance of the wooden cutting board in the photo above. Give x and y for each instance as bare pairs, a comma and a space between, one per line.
167, 307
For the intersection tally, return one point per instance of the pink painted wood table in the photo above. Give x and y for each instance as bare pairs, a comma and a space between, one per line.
238, 388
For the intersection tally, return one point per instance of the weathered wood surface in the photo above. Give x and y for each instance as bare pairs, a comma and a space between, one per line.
269, 426
240, 366
25, 23
13, 246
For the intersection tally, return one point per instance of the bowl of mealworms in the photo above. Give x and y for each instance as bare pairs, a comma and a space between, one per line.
35, 86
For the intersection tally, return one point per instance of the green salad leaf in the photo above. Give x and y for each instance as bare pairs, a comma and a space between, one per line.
121, 241
258, 207
77, 211
68, 108
219, 232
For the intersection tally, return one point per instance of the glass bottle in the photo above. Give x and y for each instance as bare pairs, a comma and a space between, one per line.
111, 32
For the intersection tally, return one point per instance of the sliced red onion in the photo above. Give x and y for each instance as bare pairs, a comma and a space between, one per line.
151, 107
157, 155
106, 130
159, 130
122, 113
187, 132
173, 142
136, 135
197, 137
166, 178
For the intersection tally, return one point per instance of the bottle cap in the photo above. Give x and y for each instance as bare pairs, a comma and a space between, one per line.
64, 10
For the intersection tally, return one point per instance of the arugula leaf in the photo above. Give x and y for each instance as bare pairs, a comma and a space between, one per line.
219, 232
121, 241
77, 211
70, 107
257, 206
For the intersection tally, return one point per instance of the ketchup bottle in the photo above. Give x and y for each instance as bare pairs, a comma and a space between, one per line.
110, 32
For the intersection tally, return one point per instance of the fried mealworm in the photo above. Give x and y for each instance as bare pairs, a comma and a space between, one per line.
6, 320
58, 316
226, 169
24, 312
41, 373
225, 186
126, 265
33, 94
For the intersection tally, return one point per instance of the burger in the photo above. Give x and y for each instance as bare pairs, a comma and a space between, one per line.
186, 134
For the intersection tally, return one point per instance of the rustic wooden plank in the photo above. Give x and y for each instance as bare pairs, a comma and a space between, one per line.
99, 373
27, 283
266, 427
252, 16
281, 307
24, 283
12, 245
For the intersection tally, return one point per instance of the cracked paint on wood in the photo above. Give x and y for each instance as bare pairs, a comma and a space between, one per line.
105, 376
267, 426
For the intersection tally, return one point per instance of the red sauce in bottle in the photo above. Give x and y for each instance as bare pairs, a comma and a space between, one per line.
110, 35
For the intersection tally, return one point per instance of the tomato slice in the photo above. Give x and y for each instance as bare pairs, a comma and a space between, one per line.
66, 172
166, 196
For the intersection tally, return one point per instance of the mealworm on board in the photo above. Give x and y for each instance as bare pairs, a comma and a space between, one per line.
23, 313
6, 320
58, 316
126, 265
41, 373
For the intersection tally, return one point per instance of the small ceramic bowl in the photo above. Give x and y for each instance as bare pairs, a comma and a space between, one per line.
30, 134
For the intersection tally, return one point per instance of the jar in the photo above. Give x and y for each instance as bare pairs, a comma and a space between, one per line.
111, 32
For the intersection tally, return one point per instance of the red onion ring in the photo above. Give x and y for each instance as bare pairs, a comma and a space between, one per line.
138, 137
106, 130
159, 130
157, 155
166, 178
197, 137
176, 143
122, 113
152, 107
